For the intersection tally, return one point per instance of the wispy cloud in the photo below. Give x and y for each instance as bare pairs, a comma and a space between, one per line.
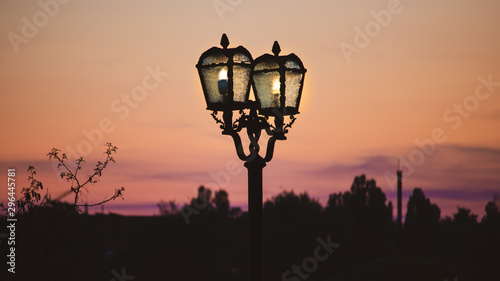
450, 164
476, 150
494, 115
176, 176
372, 165
462, 195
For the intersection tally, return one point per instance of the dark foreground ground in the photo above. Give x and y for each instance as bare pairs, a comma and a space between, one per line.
51, 245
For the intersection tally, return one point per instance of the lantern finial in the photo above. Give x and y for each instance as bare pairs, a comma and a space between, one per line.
224, 42
276, 48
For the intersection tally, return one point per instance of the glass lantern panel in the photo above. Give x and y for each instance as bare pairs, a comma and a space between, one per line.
241, 79
239, 57
292, 88
216, 83
215, 59
267, 86
292, 64
266, 65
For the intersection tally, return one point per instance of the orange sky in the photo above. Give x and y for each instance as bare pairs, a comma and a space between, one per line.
68, 66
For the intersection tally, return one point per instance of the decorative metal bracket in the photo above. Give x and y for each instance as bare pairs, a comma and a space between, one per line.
254, 125
217, 120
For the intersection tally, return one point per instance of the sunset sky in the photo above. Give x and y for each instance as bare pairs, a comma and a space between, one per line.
383, 79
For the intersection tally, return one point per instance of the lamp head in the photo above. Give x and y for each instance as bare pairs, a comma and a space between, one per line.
225, 76
277, 82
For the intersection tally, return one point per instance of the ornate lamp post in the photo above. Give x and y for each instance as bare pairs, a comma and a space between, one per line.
277, 82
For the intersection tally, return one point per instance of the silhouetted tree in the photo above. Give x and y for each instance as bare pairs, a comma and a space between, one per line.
78, 183
446, 219
56, 240
366, 203
464, 215
492, 213
421, 223
358, 219
221, 202
167, 208
291, 223
390, 208
32, 198
199, 205
203, 200
420, 212
287, 206
235, 212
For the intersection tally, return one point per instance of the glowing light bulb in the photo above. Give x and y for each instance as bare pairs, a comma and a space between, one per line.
223, 75
223, 84
276, 93
276, 87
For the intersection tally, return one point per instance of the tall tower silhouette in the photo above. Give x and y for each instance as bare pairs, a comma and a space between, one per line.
400, 196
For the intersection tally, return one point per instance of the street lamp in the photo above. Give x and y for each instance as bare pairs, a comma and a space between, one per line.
277, 83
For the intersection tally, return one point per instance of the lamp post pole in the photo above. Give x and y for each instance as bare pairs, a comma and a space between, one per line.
255, 165
255, 229
277, 82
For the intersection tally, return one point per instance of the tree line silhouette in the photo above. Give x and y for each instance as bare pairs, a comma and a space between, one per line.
361, 219
365, 202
